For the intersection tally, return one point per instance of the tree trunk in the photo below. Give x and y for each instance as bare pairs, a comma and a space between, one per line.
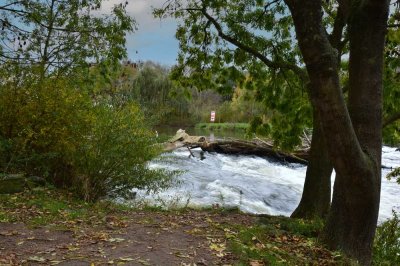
354, 144
360, 196
316, 198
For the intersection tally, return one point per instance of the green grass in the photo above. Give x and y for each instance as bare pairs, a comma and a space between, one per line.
300, 227
47, 206
223, 126
281, 241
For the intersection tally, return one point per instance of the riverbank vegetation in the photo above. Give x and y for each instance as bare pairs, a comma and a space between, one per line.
78, 116
53, 130
223, 126
56, 123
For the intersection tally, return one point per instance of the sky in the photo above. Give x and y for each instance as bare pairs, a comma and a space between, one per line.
155, 39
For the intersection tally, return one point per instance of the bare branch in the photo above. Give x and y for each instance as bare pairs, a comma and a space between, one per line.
10, 4
340, 23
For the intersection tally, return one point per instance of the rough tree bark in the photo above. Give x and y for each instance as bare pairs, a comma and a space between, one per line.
354, 144
367, 28
316, 197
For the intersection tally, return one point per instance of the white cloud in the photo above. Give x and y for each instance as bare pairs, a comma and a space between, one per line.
139, 9
154, 39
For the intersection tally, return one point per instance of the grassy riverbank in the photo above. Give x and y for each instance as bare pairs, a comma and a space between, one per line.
51, 227
223, 126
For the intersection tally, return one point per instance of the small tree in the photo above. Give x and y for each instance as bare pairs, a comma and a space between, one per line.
60, 36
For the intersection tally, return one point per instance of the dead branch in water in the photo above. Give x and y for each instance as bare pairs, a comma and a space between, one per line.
257, 147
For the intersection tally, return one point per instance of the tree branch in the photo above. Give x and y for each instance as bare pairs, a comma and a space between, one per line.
272, 64
24, 12
12, 10
335, 38
9, 4
267, 6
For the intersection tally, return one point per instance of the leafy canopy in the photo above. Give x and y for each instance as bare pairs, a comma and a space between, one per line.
249, 44
252, 44
62, 35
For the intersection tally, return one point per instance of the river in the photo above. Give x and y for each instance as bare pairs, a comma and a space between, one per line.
253, 184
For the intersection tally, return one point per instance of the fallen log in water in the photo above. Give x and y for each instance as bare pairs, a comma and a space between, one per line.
182, 139
256, 147
243, 147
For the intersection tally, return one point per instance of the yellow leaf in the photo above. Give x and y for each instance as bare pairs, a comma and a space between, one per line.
126, 259
217, 247
256, 263
36, 259
72, 248
180, 255
116, 240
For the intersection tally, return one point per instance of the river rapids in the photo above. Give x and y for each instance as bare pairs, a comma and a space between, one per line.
252, 184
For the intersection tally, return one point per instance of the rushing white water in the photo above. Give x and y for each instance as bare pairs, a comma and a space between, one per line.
253, 184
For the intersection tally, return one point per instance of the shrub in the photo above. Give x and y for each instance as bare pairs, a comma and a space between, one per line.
386, 250
113, 158
53, 129
41, 123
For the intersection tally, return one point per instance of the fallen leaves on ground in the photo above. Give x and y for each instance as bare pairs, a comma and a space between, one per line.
50, 228
8, 259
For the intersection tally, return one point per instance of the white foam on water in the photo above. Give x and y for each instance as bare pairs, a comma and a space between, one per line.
253, 184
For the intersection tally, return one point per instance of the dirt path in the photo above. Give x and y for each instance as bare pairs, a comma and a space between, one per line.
50, 227
140, 238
